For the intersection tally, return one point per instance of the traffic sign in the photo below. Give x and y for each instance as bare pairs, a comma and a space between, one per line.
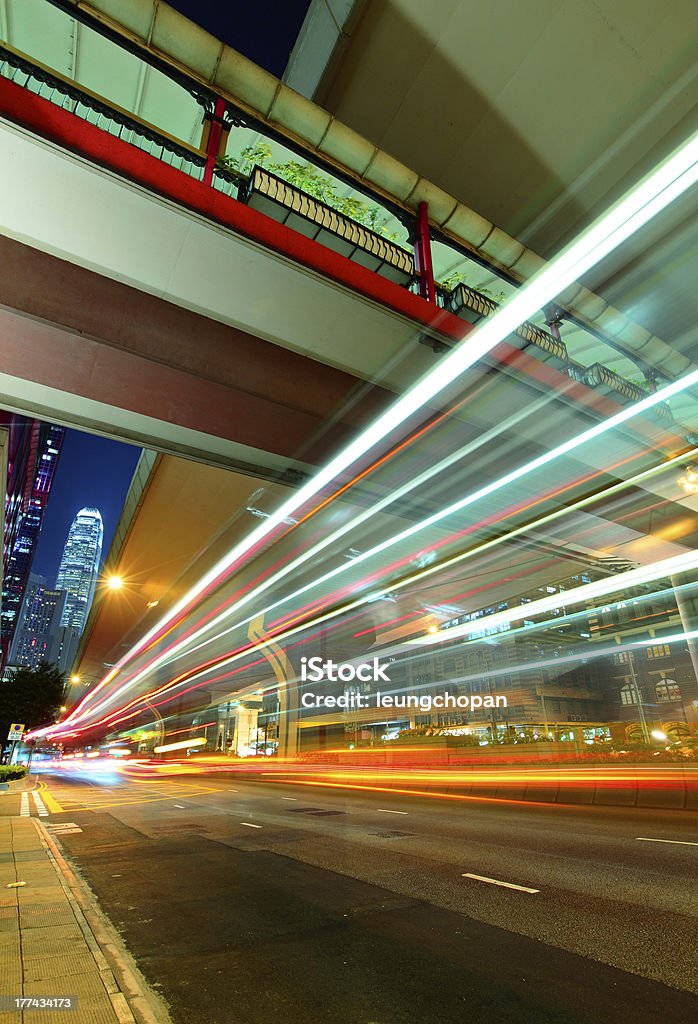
16, 731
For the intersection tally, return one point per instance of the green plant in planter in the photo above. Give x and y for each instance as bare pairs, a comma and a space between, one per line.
313, 181
456, 278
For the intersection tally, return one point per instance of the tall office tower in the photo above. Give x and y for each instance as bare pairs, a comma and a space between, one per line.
38, 621
79, 566
33, 452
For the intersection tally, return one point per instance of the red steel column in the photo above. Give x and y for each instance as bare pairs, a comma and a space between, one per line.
214, 139
422, 254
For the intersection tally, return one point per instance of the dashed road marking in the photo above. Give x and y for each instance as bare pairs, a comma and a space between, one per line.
674, 842
249, 824
179, 806
63, 828
291, 799
386, 810
24, 805
496, 881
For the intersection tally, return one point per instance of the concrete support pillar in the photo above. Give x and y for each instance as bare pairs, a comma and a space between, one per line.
288, 689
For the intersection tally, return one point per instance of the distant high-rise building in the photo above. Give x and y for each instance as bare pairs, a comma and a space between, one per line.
38, 620
79, 566
33, 452
39, 635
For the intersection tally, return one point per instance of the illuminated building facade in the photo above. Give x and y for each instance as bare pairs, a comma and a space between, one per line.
77, 573
33, 452
37, 624
622, 672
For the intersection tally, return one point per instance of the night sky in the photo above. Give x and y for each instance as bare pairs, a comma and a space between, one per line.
266, 33
92, 471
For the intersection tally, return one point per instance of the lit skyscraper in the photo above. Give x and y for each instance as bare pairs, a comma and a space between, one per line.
79, 566
38, 634
33, 452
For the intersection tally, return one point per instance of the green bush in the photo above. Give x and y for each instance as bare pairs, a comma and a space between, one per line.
12, 771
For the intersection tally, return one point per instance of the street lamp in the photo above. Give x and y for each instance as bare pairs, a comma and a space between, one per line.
115, 582
638, 697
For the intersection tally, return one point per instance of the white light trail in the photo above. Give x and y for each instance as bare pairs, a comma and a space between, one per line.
588, 592
668, 181
185, 646
578, 595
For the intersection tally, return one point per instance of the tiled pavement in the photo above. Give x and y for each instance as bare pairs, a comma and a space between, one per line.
47, 947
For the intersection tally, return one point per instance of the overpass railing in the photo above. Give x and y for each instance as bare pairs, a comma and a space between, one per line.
266, 190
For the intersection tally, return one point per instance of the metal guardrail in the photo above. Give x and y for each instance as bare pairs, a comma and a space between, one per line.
289, 205
470, 305
473, 306
304, 213
611, 384
51, 86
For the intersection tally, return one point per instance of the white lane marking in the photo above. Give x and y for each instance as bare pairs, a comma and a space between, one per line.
24, 805
674, 842
180, 806
496, 881
63, 828
386, 810
291, 799
40, 805
249, 824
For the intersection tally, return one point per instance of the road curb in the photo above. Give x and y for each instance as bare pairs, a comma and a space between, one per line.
25, 785
132, 999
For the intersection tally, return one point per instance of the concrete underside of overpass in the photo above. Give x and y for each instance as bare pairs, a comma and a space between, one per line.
155, 324
179, 518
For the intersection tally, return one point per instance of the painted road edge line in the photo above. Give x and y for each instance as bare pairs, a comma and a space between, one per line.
496, 881
249, 824
674, 842
51, 803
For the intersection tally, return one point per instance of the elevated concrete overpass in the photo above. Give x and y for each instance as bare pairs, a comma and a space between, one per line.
158, 308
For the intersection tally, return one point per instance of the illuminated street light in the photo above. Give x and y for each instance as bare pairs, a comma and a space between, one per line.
689, 481
115, 582
658, 734
75, 679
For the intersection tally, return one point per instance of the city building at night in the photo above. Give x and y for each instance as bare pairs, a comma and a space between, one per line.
77, 573
33, 452
381, 703
39, 635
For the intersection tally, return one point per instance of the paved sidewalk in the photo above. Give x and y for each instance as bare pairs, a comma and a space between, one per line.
49, 947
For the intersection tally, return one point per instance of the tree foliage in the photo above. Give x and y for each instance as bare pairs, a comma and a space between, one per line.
313, 181
33, 696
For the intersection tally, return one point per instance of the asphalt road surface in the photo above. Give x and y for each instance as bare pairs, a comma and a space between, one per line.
248, 902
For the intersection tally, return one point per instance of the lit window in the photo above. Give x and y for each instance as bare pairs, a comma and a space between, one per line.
667, 689
628, 694
659, 651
